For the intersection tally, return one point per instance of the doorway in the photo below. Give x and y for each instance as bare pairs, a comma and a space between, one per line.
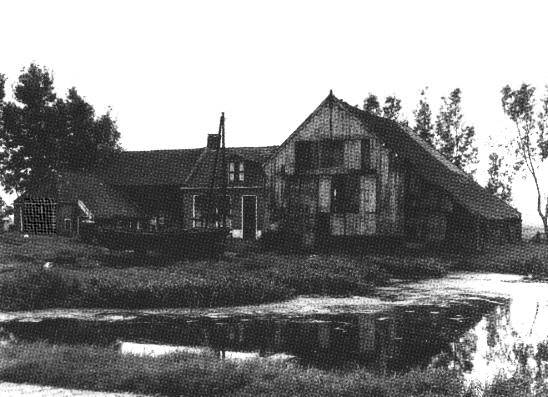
249, 217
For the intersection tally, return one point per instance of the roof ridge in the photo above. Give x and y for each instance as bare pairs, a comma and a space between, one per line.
196, 149
329, 97
160, 150
408, 130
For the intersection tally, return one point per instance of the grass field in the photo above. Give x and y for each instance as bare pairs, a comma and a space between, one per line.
84, 276
79, 275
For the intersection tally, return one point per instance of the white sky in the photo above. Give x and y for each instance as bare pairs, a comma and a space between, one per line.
168, 68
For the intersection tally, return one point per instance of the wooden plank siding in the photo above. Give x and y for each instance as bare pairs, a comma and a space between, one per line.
308, 193
404, 187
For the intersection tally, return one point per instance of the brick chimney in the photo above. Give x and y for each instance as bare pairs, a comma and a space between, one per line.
213, 141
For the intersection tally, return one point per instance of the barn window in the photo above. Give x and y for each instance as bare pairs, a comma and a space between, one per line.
366, 154
236, 171
331, 153
345, 194
327, 153
306, 155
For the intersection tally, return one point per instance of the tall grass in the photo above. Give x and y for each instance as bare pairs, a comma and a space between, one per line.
87, 276
186, 375
522, 258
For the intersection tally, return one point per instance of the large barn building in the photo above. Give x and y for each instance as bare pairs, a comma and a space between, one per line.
344, 173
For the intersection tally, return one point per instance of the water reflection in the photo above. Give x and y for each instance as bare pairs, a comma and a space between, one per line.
510, 340
483, 337
395, 340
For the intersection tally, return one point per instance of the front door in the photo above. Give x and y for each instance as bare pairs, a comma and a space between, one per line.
249, 217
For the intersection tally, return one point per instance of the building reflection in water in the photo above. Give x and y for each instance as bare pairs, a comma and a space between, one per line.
481, 338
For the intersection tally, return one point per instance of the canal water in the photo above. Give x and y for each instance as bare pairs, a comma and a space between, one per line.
484, 325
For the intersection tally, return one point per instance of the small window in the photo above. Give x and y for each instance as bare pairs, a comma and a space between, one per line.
68, 224
345, 194
231, 172
236, 171
241, 171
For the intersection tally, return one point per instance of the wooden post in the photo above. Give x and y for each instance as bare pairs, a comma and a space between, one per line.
21, 219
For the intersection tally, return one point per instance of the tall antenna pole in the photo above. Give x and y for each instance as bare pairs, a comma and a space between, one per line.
214, 202
224, 175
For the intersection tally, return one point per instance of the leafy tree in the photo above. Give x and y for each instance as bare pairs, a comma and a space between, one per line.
29, 133
392, 108
41, 134
500, 177
531, 139
5, 210
88, 139
2, 88
423, 119
452, 138
371, 104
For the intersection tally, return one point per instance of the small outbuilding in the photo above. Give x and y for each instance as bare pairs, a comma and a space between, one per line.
60, 206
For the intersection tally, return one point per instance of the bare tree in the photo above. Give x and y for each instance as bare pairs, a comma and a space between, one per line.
531, 128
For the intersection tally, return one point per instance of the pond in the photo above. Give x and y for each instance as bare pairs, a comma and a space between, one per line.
480, 324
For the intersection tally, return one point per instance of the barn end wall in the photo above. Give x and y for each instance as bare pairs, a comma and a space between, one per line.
395, 201
300, 201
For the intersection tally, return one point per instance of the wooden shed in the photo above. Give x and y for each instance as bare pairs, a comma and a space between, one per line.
59, 206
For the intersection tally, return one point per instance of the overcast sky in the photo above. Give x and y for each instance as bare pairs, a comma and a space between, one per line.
169, 68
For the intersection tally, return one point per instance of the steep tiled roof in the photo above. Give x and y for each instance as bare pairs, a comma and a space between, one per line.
183, 167
102, 200
148, 168
433, 166
203, 170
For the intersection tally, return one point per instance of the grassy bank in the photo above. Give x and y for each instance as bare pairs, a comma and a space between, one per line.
85, 276
103, 369
186, 375
524, 258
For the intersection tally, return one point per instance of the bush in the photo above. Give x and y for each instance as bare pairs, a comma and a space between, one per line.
26, 289
412, 268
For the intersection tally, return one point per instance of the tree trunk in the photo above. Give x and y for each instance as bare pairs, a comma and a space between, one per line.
545, 220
